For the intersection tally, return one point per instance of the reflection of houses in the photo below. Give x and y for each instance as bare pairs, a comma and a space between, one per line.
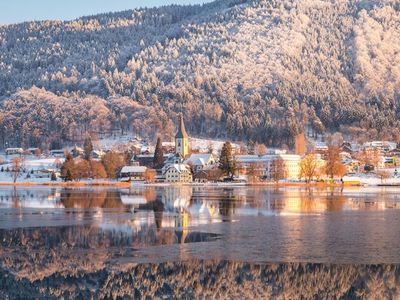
178, 173
265, 165
133, 173
133, 200
176, 197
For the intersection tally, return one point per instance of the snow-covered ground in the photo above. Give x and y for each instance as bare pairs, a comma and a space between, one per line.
373, 179
31, 163
204, 145
196, 144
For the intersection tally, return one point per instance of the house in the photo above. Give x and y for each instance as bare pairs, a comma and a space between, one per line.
382, 146
44, 173
320, 147
14, 151
77, 151
199, 161
33, 151
390, 162
178, 173
133, 173
97, 154
266, 165
208, 174
57, 152
352, 165
170, 160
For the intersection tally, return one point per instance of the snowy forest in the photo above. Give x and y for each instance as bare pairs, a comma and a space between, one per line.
260, 70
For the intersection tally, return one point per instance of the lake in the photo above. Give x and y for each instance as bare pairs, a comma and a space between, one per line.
199, 242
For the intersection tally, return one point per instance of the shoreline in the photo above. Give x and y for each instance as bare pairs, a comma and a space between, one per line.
209, 184
69, 184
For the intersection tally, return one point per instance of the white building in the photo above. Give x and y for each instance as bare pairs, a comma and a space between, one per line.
265, 164
200, 161
380, 145
178, 173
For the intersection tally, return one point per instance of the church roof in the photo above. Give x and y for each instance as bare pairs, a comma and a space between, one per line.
181, 133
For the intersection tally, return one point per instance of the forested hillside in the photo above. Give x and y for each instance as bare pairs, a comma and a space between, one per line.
239, 69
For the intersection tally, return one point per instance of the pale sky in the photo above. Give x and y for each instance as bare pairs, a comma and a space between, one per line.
14, 11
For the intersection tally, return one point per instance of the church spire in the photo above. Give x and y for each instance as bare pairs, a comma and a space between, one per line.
181, 133
181, 139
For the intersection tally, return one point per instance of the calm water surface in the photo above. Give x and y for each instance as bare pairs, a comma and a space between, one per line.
47, 234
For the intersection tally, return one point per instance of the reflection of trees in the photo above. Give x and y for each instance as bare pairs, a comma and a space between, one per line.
227, 204
310, 200
15, 198
158, 208
72, 198
336, 201
18, 197
238, 280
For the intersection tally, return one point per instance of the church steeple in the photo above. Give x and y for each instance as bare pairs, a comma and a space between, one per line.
181, 139
181, 133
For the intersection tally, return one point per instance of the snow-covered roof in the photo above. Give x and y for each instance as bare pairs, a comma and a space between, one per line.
133, 199
179, 167
199, 159
381, 144
256, 158
133, 169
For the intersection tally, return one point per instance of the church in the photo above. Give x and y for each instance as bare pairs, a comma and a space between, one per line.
181, 139
182, 165
174, 170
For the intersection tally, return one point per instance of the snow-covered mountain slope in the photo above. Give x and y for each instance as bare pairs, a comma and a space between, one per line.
248, 69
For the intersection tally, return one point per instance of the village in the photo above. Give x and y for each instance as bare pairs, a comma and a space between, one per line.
196, 161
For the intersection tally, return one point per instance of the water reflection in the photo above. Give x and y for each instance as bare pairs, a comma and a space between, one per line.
212, 280
86, 234
195, 205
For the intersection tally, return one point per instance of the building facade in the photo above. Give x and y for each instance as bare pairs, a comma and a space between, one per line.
133, 173
266, 166
178, 173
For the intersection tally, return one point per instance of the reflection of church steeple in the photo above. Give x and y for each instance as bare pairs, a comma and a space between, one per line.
158, 208
181, 138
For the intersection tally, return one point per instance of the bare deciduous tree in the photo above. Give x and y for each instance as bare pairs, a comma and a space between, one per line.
278, 169
17, 166
309, 167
